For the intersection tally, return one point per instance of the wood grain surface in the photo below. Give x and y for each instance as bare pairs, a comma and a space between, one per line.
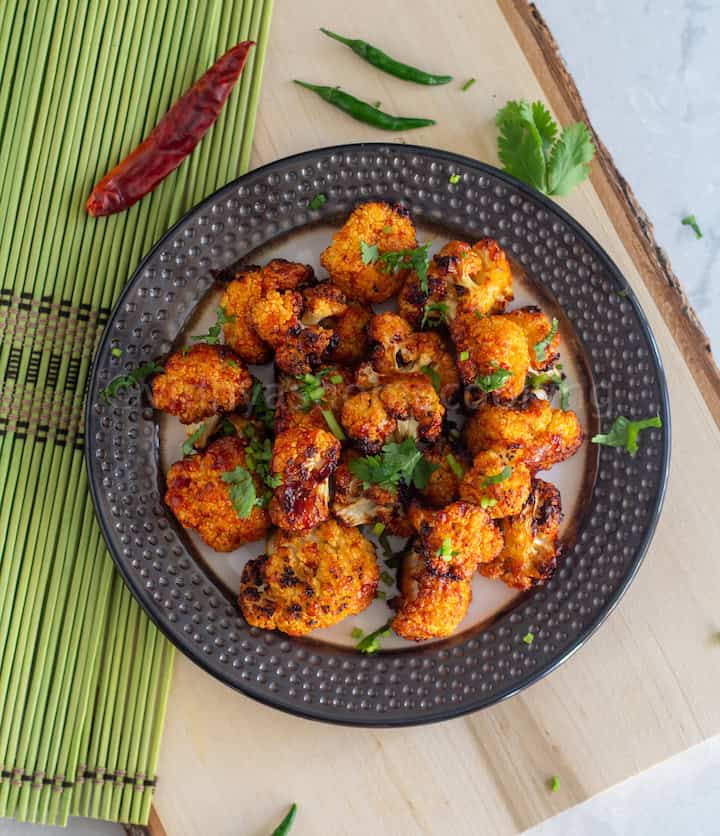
645, 686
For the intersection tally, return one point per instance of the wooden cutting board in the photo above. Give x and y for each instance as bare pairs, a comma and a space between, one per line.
645, 686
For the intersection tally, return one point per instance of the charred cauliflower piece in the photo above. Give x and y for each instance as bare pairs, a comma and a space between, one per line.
455, 539
200, 498
404, 407
355, 505
376, 224
351, 332
498, 481
429, 606
302, 461
476, 278
309, 580
321, 302
529, 555
541, 436
276, 316
245, 291
200, 382
303, 398
397, 349
301, 352
497, 356
444, 482
537, 327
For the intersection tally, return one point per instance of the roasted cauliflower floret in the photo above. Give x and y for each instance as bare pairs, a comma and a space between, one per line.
356, 505
303, 398
496, 355
277, 316
530, 551
321, 302
541, 435
200, 497
455, 539
198, 383
443, 484
300, 353
537, 327
404, 407
309, 580
247, 289
429, 606
498, 482
375, 224
476, 278
302, 461
350, 329
397, 349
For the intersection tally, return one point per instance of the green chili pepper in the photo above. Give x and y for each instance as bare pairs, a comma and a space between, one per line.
286, 823
384, 62
364, 112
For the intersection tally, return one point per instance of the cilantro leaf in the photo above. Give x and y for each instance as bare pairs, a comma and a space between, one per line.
553, 377
395, 463
546, 126
128, 380
213, 335
318, 201
542, 346
433, 375
691, 221
495, 380
371, 642
422, 473
356, 633
242, 491
624, 433
417, 259
569, 162
369, 253
497, 477
520, 148
189, 443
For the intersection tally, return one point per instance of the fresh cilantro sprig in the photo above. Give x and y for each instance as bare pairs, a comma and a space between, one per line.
258, 455
691, 221
371, 642
128, 380
434, 314
215, 331
395, 463
542, 346
496, 478
496, 379
417, 259
242, 491
530, 148
624, 433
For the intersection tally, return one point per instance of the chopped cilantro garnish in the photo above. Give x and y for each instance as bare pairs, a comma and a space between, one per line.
387, 578
129, 379
318, 201
387, 230
691, 221
542, 346
529, 637
333, 424
311, 388
434, 314
232, 364
554, 783
417, 259
242, 491
371, 642
624, 433
369, 253
356, 633
395, 463
554, 376
464, 355
497, 477
493, 381
116, 352
378, 529
488, 502
446, 551
454, 178
468, 84
379, 593
259, 406
455, 465
433, 375
336, 378
213, 335
192, 439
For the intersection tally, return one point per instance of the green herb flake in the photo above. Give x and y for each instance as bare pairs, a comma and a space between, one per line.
333, 424
388, 553
378, 529
232, 364
214, 332
311, 388
397, 462
468, 84
417, 259
455, 465
502, 476
529, 637
624, 433
379, 593
554, 783
464, 355
318, 201
259, 407
336, 378
369, 252
192, 439
116, 352
433, 375
371, 642
446, 551
453, 179
356, 633
387, 578
691, 221
242, 491
387, 230
488, 502
493, 381
127, 380
542, 346
434, 314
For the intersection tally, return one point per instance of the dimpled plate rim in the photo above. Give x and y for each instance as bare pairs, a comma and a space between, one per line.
434, 682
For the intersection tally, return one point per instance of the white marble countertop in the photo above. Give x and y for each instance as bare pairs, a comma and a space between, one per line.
649, 74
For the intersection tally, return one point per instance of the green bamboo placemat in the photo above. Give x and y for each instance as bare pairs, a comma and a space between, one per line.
84, 676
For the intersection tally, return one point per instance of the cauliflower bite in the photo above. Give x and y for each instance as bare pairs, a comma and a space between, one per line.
249, 287
351, 332
501, 498
529, 556
476, 278
429, 606
356, 505
321, 302
396, 349
300, 353
303, 459
455, 539
200, 382
541, 435
200, 498
302, 399
376, 224
276, 316
309, 580
443, 484
497, 357
536, 327
404, 407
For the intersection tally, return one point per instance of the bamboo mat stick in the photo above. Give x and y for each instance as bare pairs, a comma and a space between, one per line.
259, 59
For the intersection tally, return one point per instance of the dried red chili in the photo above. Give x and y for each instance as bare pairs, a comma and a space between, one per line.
173, 138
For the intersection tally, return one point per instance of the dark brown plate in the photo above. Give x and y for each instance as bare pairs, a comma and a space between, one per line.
616, 370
